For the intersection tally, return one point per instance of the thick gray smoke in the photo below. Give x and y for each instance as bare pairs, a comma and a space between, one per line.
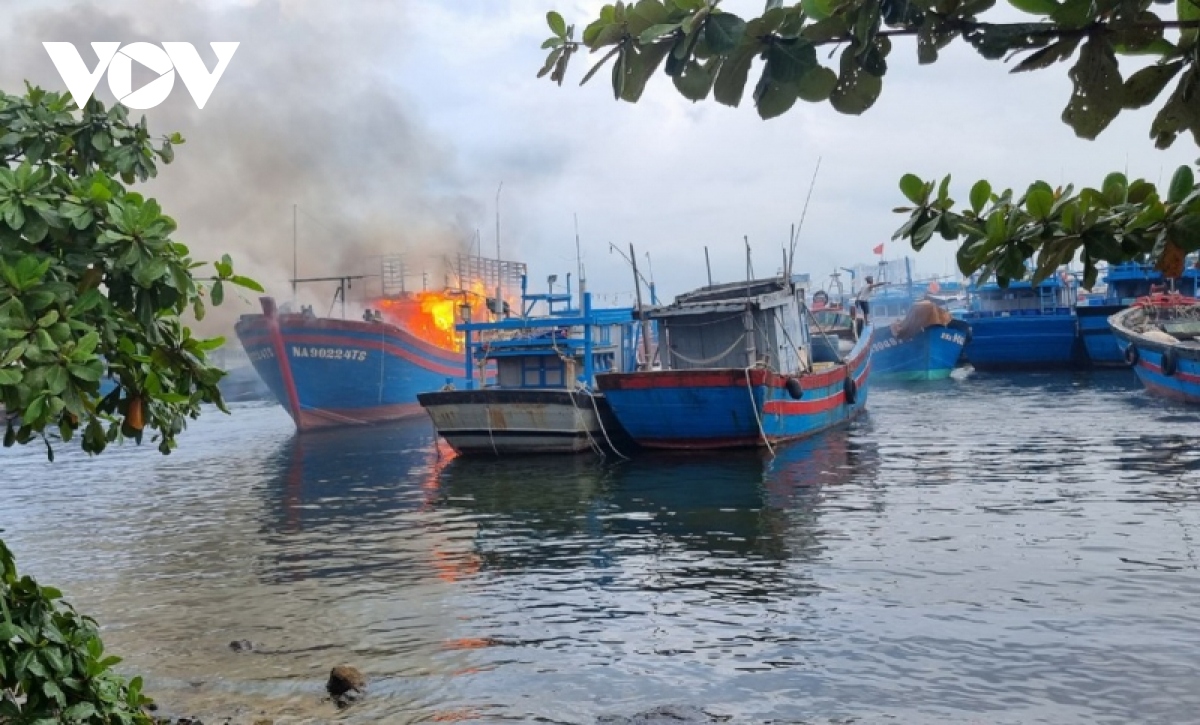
307, 115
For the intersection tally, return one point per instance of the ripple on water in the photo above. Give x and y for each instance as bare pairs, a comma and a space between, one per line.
1001, 549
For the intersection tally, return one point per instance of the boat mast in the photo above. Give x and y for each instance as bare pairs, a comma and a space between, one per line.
579, 262
294, 275
637, 291
796, 233
499, 264
708, 266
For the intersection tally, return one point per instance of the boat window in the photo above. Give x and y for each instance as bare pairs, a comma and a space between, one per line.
542, 372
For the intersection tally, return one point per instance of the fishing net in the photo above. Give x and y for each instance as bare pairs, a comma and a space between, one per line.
920, 316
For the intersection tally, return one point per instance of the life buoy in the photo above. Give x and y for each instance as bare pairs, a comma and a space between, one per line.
820, 298
850, 390
1169, 363
794, 388
1132, 356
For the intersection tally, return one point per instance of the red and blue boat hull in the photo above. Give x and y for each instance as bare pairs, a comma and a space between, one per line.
1183, 382
706, 409
331, 373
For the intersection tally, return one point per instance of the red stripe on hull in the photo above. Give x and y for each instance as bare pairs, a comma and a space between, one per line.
285, 367
325, 325
1179, 374
715, 379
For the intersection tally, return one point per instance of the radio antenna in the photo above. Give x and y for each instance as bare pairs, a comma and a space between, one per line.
804, 213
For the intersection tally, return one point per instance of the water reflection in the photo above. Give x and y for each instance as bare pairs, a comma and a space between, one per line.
328, 478
986, 548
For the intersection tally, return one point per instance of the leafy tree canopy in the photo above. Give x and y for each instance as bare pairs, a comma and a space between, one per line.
91, 282
1002, 232
706, 50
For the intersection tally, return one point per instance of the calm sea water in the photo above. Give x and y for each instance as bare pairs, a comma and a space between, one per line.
986, 550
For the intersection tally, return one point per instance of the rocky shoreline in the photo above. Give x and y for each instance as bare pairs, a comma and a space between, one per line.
346, 686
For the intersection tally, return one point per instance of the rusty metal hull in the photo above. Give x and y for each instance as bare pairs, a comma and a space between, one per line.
514, 421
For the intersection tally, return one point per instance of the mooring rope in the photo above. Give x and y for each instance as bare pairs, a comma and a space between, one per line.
757, 419
709, 360
600, 420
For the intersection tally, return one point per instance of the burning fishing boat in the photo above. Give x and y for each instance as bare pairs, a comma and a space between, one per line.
330, 372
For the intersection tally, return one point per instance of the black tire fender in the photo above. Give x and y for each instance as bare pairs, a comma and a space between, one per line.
794, 388
1132, 355
1169, 363
850, 390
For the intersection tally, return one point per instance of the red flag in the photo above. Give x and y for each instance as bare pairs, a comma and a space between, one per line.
879, 250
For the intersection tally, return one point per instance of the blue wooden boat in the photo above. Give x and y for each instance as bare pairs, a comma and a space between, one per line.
1124, 283
542, 399
1159, 336
926, 345
738, 370
330, 372
1024, 326
915, 338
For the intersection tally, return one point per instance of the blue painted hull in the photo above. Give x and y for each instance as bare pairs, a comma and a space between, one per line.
1024, 342
1098, 339
331, 373
1182, 385
733, 407
930, 355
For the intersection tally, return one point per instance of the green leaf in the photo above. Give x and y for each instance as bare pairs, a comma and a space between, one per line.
641, 65
789, 61
857, 90
654, 32
558, 26
817, 85
218, 293
56, 379
817, 9
81, 711
1182, 183
773, 98
1185, 232
51, 690
1038, 202
1188, 10
696, 80
981, 193
723, 32
731, 78
1048, 56
1098, 90
913, 188
588, 76
1144, 86
551, 59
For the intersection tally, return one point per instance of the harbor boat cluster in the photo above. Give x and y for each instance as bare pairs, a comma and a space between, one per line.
749, 364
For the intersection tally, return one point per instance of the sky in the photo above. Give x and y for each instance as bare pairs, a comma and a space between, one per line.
383, 127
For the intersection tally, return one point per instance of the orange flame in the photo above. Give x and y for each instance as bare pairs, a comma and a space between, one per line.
431, 316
